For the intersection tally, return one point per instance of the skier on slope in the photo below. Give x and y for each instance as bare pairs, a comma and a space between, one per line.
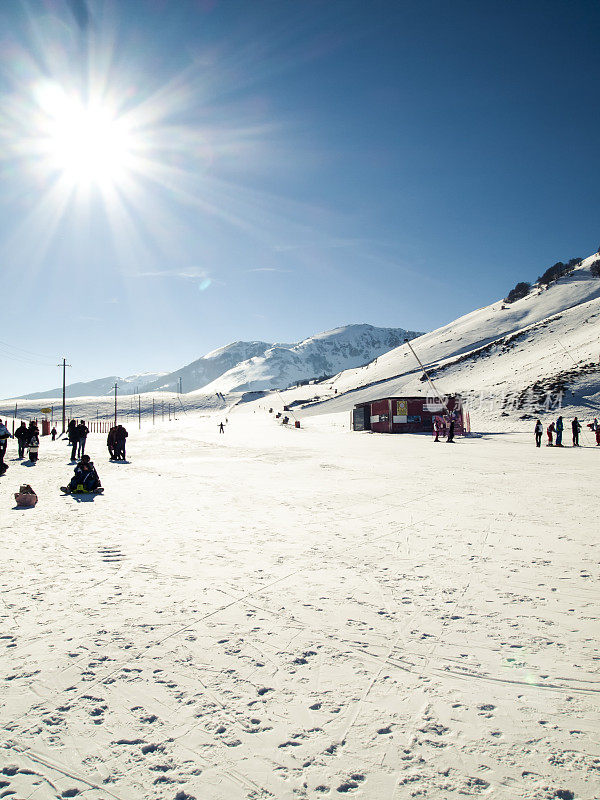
575, 427
539, 429
221, 427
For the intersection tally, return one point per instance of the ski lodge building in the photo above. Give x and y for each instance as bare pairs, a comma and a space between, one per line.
409, 415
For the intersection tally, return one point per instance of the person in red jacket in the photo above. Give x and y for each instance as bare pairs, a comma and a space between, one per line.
550, 432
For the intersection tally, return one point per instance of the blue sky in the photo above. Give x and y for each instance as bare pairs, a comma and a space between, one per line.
289, 166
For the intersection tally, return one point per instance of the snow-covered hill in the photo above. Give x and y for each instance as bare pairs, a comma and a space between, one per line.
322, 355
515, 358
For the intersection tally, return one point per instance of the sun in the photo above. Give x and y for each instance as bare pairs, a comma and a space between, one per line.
87, 143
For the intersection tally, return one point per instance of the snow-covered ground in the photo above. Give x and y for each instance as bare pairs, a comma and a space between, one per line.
284, 613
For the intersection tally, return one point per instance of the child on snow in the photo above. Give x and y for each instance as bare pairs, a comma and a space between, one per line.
85, 478
34, 446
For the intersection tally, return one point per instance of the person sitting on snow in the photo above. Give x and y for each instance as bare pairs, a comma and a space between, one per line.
85, 478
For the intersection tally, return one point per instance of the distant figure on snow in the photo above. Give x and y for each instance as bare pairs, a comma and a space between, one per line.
539, 430
53, 432
85, 479
221, 427
436, 429
450, 439
22, 435
559, 431
575, 427
550, 430
595, 426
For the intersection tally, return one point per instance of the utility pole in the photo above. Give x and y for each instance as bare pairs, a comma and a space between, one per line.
64, 366
116, 387
139, 412
180, 384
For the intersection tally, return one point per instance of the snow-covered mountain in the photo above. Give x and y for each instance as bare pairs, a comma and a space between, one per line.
241, 366
511, 358
282, 365
208, 368
98, 387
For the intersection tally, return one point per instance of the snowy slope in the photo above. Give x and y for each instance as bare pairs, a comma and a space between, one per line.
545, 342
323, 354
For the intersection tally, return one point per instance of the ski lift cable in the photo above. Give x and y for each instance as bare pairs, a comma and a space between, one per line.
576, 364
23, 350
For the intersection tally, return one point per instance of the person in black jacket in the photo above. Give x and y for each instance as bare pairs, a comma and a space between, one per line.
120, 436
85, 479
575, 427
81, 431
539, 430
5, 435
22, 435
450, 439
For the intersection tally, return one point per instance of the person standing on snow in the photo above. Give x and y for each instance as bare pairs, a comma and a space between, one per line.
21, 435
111, 442
559, 431
538, 433
82, 432
575, 427
5, 435
550, 430
34, 445
450, 439
53, 432
221, 427
120, 436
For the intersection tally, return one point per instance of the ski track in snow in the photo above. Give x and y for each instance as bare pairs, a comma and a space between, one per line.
281, 613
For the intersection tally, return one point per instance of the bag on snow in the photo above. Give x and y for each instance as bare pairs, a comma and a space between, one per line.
26, 497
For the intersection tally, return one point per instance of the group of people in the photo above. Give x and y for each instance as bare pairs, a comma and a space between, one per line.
115, 441
440, 427
77, 435
85, 478
556, 429
28, 438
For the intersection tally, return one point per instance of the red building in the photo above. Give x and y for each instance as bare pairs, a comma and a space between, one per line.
408, 415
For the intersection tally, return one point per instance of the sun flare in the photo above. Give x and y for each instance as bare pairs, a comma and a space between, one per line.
88, 143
